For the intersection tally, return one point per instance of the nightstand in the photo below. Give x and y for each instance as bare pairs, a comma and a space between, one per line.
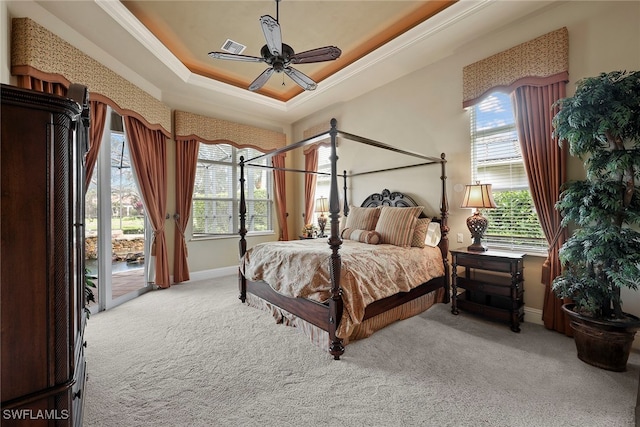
492, 285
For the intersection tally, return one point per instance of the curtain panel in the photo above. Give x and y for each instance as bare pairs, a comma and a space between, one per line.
148, 150
186, 163
310, 181
545, 165
98, 118
193, 129
280, 191
535, 73
311, 164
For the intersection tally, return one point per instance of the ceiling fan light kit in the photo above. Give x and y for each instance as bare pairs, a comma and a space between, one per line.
279, 56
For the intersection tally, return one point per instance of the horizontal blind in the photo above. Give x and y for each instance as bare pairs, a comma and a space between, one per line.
323, 182
216, 194
496, 159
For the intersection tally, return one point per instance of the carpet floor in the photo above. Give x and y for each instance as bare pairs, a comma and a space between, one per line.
193, 355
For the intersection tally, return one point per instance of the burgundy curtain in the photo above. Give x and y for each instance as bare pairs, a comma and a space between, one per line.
545, 163
280, 194
310, 179
98, 118
186, 163
148, 150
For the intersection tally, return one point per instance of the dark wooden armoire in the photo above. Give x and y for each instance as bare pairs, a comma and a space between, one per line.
43, 143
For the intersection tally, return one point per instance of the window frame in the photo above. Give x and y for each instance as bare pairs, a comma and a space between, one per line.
234, 172
535, 243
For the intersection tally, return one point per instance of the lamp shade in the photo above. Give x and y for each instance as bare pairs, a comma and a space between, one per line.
322, 205
478, 196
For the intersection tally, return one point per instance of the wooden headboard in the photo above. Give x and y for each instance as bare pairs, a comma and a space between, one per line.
393, 199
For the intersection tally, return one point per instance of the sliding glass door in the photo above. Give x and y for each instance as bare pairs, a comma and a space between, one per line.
117, 230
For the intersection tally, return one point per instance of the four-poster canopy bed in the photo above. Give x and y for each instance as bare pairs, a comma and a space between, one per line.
341, 295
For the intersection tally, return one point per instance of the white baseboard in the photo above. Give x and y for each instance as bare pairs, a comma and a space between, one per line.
533, 315
212, 274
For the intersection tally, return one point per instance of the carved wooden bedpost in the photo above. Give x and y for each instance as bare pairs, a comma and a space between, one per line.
242, 282
345, 203
444, 228
335, 303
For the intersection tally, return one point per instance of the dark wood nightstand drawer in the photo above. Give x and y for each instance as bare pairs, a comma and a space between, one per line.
484, 263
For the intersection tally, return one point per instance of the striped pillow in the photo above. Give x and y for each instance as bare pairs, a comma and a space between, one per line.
420, 233
396, 225
371, 237
362, 218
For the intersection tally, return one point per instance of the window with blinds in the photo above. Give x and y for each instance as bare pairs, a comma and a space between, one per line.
324, 165
496, 159
216, 192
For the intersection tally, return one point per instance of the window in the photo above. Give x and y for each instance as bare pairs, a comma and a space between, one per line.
323, 183
216, 192
496, 159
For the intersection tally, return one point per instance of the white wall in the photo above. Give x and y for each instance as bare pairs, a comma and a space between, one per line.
423, 111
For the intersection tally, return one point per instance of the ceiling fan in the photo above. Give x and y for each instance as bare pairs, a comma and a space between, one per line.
280, 56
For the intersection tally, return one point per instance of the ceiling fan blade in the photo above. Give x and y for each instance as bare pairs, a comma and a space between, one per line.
327, 53
300, 78
272, 34
235, 57
261, 80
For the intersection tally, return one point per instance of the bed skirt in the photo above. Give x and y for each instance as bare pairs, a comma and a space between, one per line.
320, 337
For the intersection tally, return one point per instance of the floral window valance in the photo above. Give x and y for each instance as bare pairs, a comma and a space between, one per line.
540, 61
212, 130
37, 52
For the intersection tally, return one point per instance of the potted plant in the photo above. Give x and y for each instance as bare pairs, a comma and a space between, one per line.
601, 124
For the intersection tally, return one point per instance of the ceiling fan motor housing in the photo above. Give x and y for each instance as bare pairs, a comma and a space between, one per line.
278, 62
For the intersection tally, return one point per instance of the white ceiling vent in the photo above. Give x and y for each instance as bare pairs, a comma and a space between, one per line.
233, 47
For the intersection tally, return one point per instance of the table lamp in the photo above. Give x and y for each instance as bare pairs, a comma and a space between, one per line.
478, 196
322, 207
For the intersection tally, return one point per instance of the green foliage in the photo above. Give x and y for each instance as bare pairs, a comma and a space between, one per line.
601, 123
516, 203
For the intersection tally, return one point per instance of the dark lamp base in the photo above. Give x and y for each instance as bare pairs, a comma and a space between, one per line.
477, 247
477, 225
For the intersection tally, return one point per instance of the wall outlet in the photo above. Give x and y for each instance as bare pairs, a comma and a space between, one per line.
460, 238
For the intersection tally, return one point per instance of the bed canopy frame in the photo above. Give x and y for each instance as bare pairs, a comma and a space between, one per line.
328, 316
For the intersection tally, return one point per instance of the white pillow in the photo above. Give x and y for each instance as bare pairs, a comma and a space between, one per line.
433, 235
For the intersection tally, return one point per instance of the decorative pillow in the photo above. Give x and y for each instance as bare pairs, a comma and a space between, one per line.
420, 233
396, 225
433, 235
362, 218
371, 237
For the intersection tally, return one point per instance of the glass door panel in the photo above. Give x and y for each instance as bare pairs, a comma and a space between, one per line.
114, 209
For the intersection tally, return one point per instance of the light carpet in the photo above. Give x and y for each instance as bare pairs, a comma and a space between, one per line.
193, 355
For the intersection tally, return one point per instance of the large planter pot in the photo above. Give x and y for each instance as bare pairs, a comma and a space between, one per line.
603, 343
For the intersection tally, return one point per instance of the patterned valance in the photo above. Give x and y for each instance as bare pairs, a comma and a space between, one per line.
317, 130
212, 130
543, 60
37, 52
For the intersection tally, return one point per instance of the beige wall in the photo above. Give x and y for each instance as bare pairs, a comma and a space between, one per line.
423, 111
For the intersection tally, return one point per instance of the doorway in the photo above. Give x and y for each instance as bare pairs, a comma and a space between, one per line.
117, 229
